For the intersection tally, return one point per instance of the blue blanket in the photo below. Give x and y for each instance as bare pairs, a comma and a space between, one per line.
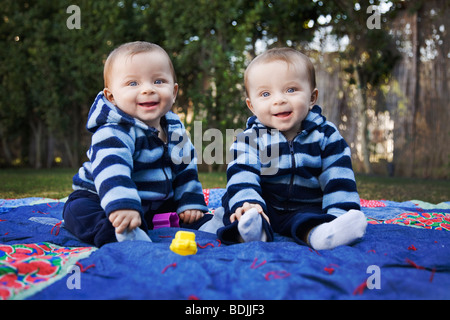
393, 261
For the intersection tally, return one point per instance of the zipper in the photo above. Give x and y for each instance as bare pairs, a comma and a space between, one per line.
291, 183
166, 157
165, 160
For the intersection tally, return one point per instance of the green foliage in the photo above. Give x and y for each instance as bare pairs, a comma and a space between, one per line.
50, 74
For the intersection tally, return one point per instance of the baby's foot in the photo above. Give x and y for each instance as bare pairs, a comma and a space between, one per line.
135, 234
343, 230
215, 223
250, 226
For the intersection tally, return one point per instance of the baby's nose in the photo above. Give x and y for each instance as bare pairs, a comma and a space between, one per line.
148, 88
280, 99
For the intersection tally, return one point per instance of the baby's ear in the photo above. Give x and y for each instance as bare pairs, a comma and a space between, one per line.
175, 92
108, 95
249, 104
314, 96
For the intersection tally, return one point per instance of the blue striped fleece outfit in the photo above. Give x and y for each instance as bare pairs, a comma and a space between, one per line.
130, 167
299, 183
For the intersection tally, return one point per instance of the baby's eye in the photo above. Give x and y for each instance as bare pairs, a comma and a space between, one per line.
132, 83
159, 81
291, 90
265, 94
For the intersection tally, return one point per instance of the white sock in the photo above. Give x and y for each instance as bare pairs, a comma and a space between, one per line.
250, 226
341, 231
215, 223
135, 234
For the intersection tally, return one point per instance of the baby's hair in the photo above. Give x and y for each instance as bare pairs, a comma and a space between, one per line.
287, 55
130, 49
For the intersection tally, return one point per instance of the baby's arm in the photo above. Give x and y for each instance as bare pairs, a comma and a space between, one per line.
337, 179
244, 177
245, 207
125, 219
111, 157
190, 216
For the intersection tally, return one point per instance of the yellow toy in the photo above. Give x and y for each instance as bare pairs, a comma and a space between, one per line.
184, 243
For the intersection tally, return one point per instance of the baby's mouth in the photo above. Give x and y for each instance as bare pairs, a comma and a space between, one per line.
283, 114
148, 104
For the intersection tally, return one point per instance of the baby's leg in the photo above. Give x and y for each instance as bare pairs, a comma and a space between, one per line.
215, 223
86, 219
250, 226
343, 230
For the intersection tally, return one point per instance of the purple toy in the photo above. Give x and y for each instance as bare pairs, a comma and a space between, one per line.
166, 220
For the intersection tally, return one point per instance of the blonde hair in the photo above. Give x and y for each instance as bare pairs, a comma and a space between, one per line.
132, 48
287, 55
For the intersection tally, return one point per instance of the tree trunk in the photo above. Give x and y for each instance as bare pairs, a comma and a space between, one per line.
361, 104
50, 150
36, 144
6, 152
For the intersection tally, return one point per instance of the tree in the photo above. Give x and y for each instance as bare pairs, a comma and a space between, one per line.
371, 55
50, 73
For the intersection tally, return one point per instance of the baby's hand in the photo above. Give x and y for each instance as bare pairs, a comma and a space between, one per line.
125, 219
190, 216
245, 207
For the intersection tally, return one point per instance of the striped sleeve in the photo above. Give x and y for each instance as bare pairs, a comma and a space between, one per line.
337, 179
244, 173
112, 163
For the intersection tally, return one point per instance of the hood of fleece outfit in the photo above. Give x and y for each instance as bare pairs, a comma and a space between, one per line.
103, 112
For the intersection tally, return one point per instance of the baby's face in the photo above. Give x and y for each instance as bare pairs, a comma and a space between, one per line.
142, 86
280, 95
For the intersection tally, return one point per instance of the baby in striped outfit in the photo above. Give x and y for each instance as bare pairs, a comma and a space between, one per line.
141, 161
291, 170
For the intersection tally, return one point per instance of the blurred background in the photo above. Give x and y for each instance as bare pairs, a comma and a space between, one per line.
382, 71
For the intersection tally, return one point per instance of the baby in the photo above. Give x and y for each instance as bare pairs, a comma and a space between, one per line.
134, 169
312, 196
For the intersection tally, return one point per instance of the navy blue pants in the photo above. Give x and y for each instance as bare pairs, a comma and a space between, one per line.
294, 224
86, 219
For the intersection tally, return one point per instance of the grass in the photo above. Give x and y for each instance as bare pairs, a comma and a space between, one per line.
46, 183
403, 189
57, 183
